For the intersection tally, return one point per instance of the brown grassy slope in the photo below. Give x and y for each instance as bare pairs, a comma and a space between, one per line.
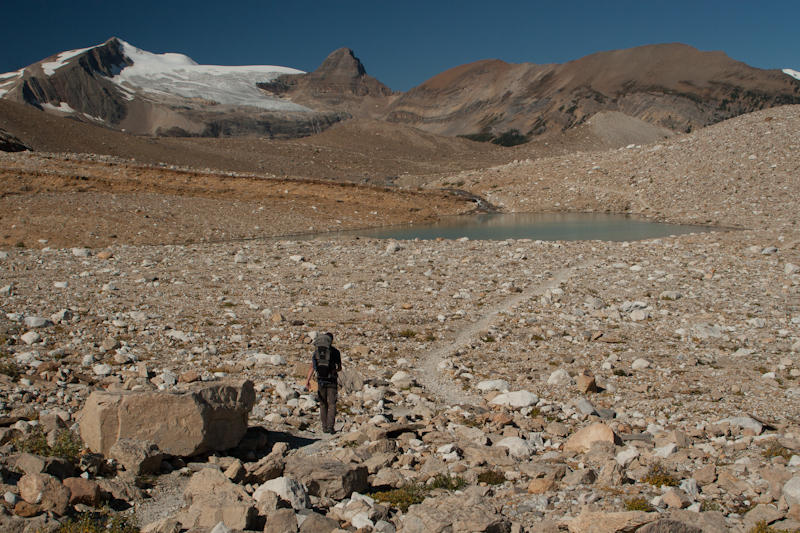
353, 151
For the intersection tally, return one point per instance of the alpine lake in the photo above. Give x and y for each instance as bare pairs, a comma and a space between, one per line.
535, 226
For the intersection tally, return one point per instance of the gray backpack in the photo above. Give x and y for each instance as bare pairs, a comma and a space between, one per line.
322, 351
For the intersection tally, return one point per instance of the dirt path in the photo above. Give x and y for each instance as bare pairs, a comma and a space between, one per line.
444, 388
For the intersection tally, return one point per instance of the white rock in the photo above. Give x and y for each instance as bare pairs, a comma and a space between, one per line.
670, 295
361, 520
393, 247
103, 369
3, 255
138, 316
401, 379
637, 315
81, 252
517, 448
560, 378
6, 290
296, 258
30, 337
36, 322
627, 455
60, 284
382, 526
666, 450
790, 269
285, 391
287, 489
745, 422
65, 315
791, 491
640, 364
493, 384
178, 335
516, 399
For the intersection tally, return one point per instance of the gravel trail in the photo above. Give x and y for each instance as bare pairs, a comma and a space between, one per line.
448, 392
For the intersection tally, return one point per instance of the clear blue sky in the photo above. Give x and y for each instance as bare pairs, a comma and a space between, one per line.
402, 43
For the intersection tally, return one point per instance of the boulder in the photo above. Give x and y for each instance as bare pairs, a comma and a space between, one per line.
455, 513
328, 478
281, 521
791, 491
666, 525
516, 399
316, 523
138, 457
85, 491
44, 491
582, 440
205, 417
287, 489
602, 522
212, 498
517, 448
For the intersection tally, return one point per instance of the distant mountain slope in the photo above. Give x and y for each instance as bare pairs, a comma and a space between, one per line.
118, 85
670, 85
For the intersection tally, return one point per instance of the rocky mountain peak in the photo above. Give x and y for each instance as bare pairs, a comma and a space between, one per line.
341, 63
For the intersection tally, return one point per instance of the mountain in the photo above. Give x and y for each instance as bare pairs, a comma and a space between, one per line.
673, 86
341, 83
120, 86
638, 94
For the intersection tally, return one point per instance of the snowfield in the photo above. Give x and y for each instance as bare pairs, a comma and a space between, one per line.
50, 67
793, 73
177, 74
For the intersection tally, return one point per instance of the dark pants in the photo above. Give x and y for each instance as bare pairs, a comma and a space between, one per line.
327, 395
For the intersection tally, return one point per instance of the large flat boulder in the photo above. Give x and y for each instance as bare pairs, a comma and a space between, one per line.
212, 498
205, 417
328, 478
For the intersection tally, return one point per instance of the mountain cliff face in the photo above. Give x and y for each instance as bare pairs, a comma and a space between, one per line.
117, 85
673, 86
340, 83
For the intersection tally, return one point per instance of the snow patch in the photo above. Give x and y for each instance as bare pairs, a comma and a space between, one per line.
62, 107
50, 67
90, 117
793, 73
177, 74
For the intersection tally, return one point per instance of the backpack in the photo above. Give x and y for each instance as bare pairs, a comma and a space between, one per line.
322, 351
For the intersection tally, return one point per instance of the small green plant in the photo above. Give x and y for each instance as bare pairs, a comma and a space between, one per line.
402, 498
491, 477
709, 505
407, 334
414, 493
430, 337
105, 521
658, 476
488, 338
619, 372
638, 503
66, 446
35, 442
447, 482
762, 527
776, 450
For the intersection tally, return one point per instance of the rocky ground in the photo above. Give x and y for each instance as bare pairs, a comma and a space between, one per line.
488, 386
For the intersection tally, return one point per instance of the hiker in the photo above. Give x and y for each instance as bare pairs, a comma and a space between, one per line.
326, 363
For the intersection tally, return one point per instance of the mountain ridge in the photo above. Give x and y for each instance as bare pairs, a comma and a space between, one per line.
672, 86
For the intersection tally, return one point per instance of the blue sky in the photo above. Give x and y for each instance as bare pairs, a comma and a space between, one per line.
402, 43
